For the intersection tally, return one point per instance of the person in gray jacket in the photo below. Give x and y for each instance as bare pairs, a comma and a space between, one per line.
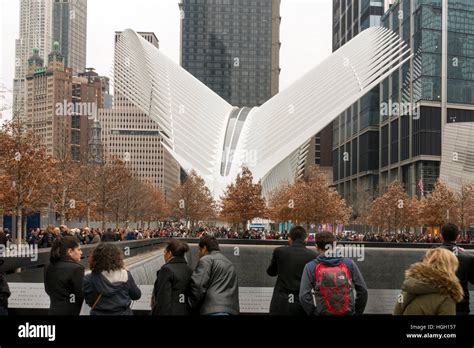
214, 286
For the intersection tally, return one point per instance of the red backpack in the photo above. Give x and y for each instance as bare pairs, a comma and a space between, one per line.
334, 291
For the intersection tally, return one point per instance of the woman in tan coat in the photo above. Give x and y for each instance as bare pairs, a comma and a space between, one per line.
431, 286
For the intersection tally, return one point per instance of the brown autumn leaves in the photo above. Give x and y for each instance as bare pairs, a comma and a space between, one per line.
31, 181
394, 210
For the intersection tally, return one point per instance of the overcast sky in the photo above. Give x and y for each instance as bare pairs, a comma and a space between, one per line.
305, 33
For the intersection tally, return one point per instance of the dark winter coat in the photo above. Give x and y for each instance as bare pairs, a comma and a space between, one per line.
171, 290
288, 263
33, 240
116, 289
3, 238
465, 273
63, 282
426, 292
108, 236
4, 294
46, 240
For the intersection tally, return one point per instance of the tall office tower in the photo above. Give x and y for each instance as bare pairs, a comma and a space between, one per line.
350, 17
129, 134
47, 87
355, 135
35, 32
396, 131
69, 28
60, 107
87, 99
233, 47
439, 82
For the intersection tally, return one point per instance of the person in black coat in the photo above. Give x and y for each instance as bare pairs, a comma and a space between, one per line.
288, 264
170, 293
4, 292
465, 273
108, 236
63, 278
47, 238
3, 238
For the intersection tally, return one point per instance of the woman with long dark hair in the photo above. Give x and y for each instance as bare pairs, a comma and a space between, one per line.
63, 278
110, 288
170, 293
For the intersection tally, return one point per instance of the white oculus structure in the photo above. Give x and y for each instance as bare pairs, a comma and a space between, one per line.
205, 133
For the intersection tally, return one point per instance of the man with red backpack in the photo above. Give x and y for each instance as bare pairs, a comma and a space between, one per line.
331, 284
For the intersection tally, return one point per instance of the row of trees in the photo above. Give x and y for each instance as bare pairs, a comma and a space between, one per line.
394, 210
241, 202
306, 201
30, 180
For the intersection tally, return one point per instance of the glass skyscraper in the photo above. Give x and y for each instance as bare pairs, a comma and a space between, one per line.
233, 47
350, 17
70, 30
352, 143
432, 89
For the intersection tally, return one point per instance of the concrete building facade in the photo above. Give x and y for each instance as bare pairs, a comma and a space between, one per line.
60, 107
47, 87
127, 133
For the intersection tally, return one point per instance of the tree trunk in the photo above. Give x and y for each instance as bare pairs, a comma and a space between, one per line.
88, 215
103, 208
18, 226
24, 222
62, 217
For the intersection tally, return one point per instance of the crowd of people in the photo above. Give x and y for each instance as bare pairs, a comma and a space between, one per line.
309, 282
44, 238
399, 237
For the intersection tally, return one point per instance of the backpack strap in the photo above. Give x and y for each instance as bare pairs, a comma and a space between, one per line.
96, 302
350, 268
